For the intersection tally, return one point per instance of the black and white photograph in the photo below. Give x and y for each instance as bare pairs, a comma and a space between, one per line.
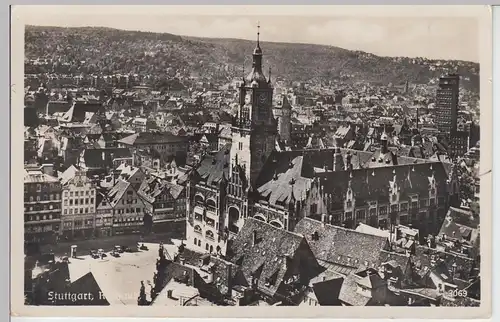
250, 160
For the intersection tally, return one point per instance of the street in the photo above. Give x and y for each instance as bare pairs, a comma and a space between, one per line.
106, 243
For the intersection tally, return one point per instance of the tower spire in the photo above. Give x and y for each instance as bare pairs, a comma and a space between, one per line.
258, 34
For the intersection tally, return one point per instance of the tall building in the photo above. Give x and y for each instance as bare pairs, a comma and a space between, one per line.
447, 104
79, 204
42, 206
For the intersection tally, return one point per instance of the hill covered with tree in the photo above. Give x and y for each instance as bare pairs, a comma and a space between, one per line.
106, 50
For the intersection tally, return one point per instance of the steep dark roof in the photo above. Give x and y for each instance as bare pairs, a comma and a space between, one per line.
275, 181
287, 184
340, 246
267, 258
215, 167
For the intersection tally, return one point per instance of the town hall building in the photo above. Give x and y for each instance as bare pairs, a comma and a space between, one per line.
249, 177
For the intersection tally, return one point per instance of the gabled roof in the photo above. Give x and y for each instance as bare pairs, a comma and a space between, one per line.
116, 193
67, 175
268, 257
341, 246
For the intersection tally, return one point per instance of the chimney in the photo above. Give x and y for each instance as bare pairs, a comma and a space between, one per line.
254, 238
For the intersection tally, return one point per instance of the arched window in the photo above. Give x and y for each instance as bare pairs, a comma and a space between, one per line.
199, 242
211, 248
211, 204
260, 217
197, 229
199, 199
234, 216
276, 223
209, 234
195, 241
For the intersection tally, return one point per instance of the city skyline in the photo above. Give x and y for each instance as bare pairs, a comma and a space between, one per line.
406, 36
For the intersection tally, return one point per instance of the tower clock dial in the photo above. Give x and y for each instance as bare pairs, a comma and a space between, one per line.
262, 98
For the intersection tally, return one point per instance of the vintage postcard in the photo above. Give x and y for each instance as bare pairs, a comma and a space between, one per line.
251, 161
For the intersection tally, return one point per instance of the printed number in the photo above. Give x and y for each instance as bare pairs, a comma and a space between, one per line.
458, 293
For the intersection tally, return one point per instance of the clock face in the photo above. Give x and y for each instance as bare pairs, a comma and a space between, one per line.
262, 98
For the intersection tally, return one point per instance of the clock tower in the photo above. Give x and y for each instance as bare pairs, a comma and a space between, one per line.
254, 128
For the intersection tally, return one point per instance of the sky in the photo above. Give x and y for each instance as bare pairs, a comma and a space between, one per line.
436, 37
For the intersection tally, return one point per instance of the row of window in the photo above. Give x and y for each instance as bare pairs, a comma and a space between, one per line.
119, 220
128, 211
39, 187
40, 217
403, 206
40, 229
79, 223
208, 247
42, 208
44, 197
76, 211
80, 201
79, 193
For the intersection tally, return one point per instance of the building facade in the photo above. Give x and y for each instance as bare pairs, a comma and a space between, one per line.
125, 207
78, 205
42, 207
447, 104
165, 202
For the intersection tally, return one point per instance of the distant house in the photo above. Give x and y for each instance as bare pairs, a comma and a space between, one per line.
100, 161
165, 143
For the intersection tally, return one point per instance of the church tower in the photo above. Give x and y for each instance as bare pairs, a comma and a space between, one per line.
254, 129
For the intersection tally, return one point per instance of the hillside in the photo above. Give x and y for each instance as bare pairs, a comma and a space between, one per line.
106, 50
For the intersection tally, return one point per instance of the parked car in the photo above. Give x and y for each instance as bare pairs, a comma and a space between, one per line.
101, 253
118, 249
94, 254
115, 253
